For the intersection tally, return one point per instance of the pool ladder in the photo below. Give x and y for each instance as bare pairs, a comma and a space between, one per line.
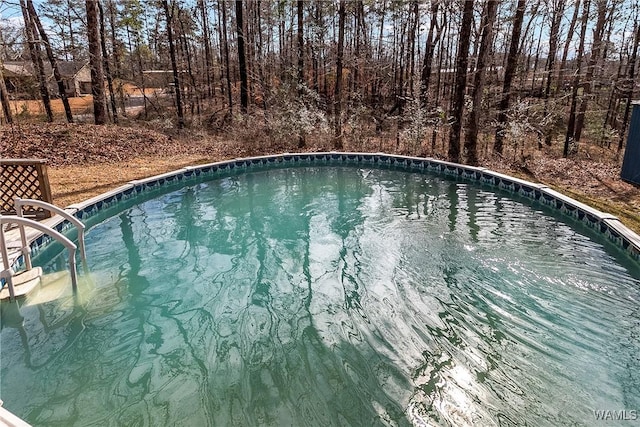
7, 274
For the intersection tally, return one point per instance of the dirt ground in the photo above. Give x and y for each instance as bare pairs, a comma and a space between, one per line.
87, 160
79, 105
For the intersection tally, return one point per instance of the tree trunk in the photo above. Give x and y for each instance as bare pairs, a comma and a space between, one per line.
141, 69
260, 63
227, 63
195, 91
398, 63
471, 139
116, 56
52, 61
429, 50
447, 55
357, 60
300, 14
4, 98
413, 24
300, 28
462, 61
107, 69
525, 35
281, 37
446, 23
509, 73
208, 64
314, 52
377, 95
565, 51
571, 125
174, 64
338, 86
249, 43
591, 66
244, 93
73, 36
95, 62
558, 12
36, 58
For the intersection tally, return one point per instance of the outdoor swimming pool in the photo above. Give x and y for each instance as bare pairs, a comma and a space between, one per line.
331, 295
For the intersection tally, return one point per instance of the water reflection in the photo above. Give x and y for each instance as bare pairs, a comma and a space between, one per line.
331, 296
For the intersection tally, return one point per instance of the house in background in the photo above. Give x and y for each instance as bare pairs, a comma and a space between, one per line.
22, 82
76, 76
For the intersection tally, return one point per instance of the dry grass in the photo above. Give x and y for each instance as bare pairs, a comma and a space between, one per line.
79, 105
74, 183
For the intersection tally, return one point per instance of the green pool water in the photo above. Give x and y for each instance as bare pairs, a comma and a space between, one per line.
331, 296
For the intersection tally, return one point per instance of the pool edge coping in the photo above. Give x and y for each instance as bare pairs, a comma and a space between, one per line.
9, 419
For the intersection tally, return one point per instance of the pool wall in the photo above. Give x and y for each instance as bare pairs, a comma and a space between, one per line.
604, 223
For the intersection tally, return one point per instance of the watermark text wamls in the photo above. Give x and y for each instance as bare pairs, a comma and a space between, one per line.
615, 415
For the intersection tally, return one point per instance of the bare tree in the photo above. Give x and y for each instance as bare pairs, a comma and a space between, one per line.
95, 62
244, 92
591, 66
300, 14
462, 60
116, 53
191, 89
206, 40
52, 60
225, 47
414, 17
4, 98
556, 17
471, 137
567, 43
169, 13
571, 125
36, 58
107, 68
338, 86
509, 73
432, 38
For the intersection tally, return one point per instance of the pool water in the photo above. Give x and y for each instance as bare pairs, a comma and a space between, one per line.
331, 296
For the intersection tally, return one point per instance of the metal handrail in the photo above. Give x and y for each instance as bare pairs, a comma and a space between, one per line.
22, 222
19, 203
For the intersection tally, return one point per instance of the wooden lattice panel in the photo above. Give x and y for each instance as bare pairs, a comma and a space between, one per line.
27, 179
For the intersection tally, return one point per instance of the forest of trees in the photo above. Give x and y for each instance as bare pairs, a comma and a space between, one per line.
458, 78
